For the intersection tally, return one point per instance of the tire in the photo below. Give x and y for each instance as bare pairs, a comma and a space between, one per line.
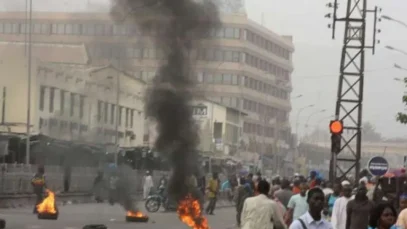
153, 204
2, 223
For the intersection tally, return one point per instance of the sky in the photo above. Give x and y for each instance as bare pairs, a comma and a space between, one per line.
316, 58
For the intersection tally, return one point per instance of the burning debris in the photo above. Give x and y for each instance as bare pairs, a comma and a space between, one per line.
182, 24
136, 217
47, 209
189, 212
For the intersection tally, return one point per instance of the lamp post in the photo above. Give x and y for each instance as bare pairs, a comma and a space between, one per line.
298, 116
395, 20
28, 142
312, 114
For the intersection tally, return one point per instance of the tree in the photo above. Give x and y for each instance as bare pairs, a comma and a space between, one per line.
402, 117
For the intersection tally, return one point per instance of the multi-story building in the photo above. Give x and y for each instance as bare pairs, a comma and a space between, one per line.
243, 65
69, 99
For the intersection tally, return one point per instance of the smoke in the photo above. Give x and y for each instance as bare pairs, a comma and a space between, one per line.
182, 23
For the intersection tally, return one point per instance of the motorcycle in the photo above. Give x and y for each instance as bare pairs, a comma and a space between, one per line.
155, 200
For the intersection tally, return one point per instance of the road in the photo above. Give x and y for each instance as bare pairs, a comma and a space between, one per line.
77, 216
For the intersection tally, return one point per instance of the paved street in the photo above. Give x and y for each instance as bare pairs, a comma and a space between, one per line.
76, 216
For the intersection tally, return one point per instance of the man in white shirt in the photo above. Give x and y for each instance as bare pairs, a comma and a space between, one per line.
260, 212
338, 219
312, 219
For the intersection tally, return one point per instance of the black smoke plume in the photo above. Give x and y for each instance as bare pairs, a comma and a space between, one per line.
182, 24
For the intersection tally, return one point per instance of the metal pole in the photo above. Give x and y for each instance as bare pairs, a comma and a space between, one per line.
29, 86
116, 142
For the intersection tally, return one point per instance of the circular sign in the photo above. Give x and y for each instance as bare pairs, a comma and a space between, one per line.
378, 166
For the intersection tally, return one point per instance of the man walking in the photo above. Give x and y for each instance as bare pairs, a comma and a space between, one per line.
313, 219
358, 210
297, 206
260, 212
213, 189
284, 194
339, 214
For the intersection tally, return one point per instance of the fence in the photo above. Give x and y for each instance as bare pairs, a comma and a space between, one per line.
15, 179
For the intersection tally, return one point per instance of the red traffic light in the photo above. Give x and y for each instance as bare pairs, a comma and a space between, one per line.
336, 127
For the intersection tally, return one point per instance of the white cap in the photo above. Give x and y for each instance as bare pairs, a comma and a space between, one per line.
345, 182
296, 174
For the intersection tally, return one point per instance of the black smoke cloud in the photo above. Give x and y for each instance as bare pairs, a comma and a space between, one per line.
182, 23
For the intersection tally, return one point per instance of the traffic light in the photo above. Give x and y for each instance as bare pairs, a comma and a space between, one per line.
336, 129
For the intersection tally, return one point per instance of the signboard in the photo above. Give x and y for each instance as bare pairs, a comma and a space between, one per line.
378, 166
200, 110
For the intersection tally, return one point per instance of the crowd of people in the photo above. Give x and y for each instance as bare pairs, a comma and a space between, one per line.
313, 203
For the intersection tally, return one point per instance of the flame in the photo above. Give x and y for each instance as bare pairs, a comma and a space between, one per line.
189, 212
136, 214
48, 204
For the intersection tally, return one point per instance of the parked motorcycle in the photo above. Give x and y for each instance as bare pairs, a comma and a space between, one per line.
156, 200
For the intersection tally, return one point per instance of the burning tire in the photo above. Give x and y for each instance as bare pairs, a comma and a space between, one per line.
95, 226
2, 223
143, 219
48, 216
136, 217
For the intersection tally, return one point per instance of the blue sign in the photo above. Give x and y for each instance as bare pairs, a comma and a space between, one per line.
378, 166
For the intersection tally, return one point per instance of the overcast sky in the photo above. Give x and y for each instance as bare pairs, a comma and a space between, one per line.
316, 59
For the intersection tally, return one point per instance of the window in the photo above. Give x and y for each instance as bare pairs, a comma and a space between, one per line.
76, 29
131, 118
218, 78
228, 56
99, 114
236, 33
69, 29
42, 97
229, 33
106, 112
112, 114
227, 78
81, 106
62, 102
72, 110
51, 99
120, 115
127, 117
200, 77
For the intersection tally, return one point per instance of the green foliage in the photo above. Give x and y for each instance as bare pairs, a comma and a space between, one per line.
402, 117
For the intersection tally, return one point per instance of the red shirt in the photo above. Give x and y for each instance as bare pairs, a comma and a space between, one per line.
296, 190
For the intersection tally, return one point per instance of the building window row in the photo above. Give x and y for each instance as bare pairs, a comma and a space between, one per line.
265, 110
90, 29
225, 32
266, 66
265, 88
62, 125
209, 54
69, 102
265, 44
218, 78
226, 100
106, 113
258, 129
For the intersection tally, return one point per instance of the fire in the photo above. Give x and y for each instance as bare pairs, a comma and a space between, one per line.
136, 214
189, 212
48, 204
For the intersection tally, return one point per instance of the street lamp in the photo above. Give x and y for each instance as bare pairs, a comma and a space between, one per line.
399, 67
395, 49
298, 116
395, 20
296, 97
312, 114
116, 126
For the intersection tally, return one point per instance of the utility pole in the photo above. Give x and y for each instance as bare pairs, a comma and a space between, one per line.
351, 82
28, 142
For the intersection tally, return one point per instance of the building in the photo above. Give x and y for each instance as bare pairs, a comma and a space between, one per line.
69, 99
243, 65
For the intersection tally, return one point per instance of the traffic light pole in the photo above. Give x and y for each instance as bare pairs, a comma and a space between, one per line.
350, 86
